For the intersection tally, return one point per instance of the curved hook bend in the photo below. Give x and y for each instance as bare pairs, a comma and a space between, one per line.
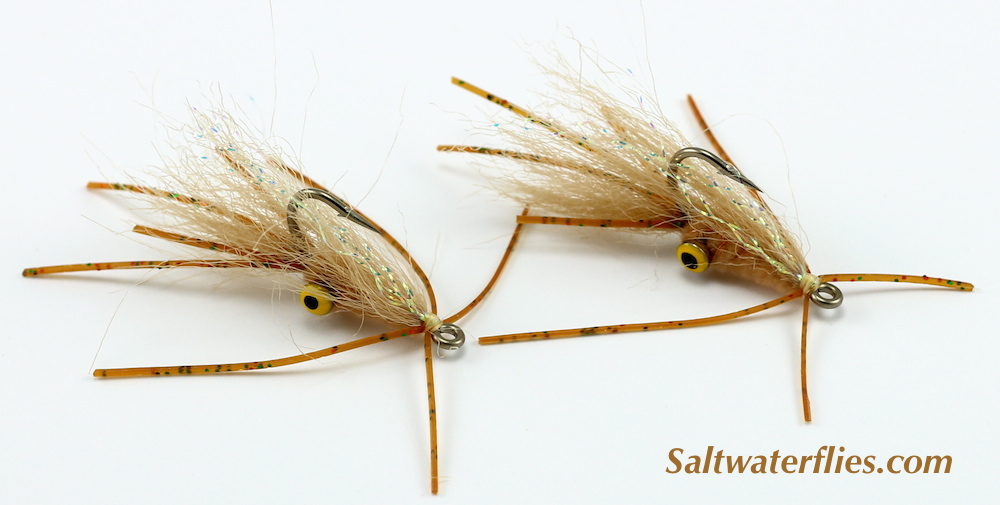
704, 154
328, 198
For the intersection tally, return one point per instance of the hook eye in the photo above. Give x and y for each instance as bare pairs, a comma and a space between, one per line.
449, 336
727, 168
328, 198
827, 296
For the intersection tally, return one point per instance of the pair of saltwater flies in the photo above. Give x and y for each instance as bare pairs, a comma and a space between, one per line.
619, 167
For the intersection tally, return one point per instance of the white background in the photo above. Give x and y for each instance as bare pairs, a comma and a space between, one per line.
874, 123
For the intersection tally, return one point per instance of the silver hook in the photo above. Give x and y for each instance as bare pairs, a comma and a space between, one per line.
449, 336
328, 198
704, 154
827, 296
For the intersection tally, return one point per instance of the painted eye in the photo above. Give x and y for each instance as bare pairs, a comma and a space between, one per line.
693, 256
316, 299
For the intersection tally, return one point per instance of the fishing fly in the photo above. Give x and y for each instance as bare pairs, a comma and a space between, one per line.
627, 167
246, 209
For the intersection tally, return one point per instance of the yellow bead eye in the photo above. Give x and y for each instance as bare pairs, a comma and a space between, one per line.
316, 299
693, 256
